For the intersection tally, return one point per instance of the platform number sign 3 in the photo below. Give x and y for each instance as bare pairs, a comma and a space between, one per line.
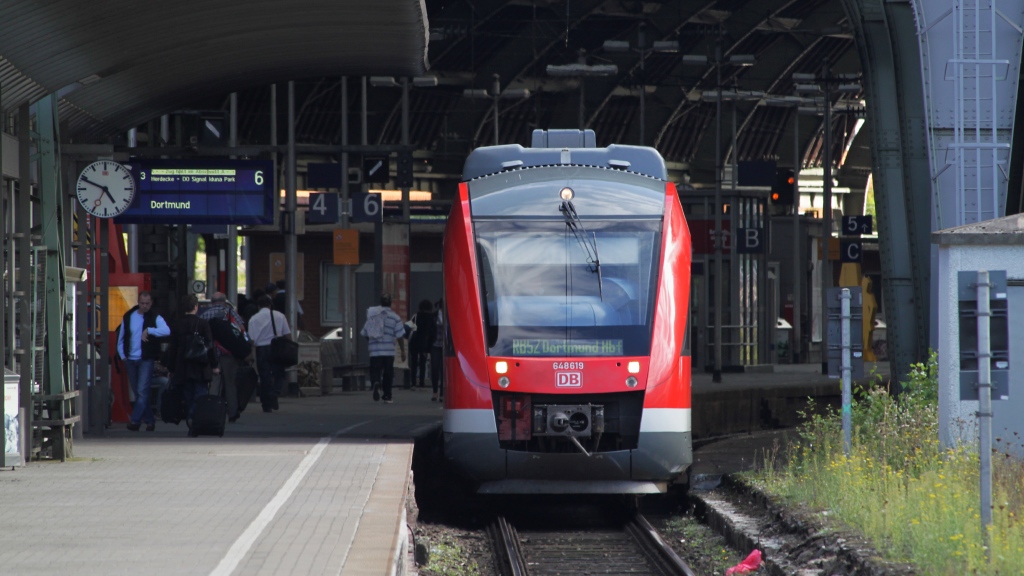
105, 188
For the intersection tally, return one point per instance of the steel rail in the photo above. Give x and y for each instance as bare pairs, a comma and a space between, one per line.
507, 548
656, 549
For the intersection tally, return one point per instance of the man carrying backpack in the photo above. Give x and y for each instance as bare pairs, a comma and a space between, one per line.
232, 346
383, 328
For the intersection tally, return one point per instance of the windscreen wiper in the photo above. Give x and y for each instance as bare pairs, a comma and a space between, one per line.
587, 243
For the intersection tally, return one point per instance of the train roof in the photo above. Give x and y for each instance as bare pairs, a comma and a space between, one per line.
564, 147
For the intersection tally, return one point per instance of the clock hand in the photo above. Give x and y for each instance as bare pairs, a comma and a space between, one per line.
87, 181
102, 187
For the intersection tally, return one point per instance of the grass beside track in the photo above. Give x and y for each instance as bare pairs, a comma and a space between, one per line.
916, 501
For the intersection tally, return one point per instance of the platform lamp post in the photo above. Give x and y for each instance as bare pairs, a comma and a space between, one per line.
580, 70
495, 94
643, 49
826, 84
718, 62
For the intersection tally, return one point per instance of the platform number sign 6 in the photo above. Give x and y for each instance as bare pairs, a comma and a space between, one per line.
367, 207
323, 208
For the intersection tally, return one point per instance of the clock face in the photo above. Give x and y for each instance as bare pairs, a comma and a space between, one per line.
105, 188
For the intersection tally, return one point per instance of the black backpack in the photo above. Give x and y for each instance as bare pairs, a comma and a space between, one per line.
231, 337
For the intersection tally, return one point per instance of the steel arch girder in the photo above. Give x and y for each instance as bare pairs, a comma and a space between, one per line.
513, 59
890, 55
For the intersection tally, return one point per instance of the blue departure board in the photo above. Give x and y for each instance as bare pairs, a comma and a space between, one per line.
201, 191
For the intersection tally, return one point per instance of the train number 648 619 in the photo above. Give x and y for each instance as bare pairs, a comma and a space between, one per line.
568, 366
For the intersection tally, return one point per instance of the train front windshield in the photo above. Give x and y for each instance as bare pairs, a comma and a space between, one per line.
544, 293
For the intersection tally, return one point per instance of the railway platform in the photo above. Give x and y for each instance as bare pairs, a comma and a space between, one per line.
319, 487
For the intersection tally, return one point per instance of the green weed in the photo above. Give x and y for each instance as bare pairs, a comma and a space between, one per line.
447, 558
916, 501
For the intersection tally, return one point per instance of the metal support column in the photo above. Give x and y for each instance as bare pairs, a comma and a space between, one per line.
826, 214
405, 142
378, 224
290, 239
231, 253
348, 300
716, 375
797, 258
56, 402
25, 335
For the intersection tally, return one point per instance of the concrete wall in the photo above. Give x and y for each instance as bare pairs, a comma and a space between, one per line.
958, 419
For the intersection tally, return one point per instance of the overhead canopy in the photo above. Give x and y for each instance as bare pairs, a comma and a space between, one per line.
118, 64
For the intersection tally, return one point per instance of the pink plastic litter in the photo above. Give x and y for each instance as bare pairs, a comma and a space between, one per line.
749, 564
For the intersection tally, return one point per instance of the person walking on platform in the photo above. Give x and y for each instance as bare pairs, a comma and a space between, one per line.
420, 343
192, 374
383, 328
436, 353
232, 346
264, 326
281, 301
138, 345
252, 306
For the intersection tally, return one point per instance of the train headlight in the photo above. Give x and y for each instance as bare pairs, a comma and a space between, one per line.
504, 382
501, 367
566, 194
633, 367
631, 382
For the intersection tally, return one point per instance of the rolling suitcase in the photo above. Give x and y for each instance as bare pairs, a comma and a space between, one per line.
246, 380
209, 416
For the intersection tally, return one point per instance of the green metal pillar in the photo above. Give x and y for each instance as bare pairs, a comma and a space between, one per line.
56, 401
52, 219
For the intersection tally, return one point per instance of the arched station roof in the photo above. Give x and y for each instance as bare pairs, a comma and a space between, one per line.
517, 40
118, 64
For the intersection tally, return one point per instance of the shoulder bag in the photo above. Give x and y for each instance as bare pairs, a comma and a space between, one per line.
283, 350
197, 350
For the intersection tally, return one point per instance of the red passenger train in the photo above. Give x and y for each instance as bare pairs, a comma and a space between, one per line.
567, 281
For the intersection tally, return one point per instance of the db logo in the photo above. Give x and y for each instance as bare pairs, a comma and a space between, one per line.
568, 379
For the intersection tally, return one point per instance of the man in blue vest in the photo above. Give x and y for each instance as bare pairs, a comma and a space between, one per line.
138, 346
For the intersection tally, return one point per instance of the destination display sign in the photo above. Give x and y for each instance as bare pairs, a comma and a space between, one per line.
201, 192
545, 347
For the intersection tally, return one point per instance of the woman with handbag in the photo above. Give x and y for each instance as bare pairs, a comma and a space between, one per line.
193, 357
275, 351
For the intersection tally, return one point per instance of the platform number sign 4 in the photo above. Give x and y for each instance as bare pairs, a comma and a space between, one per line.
323, 208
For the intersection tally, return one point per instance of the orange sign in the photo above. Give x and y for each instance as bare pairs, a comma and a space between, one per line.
346, 247
833, 249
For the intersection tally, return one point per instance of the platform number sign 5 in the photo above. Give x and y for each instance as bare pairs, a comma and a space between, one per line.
323, 208
856, 225
367, 207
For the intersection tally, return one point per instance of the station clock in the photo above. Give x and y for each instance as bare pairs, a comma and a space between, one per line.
105, 188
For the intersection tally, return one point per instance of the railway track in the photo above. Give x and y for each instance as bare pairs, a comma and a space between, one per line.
635, 548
